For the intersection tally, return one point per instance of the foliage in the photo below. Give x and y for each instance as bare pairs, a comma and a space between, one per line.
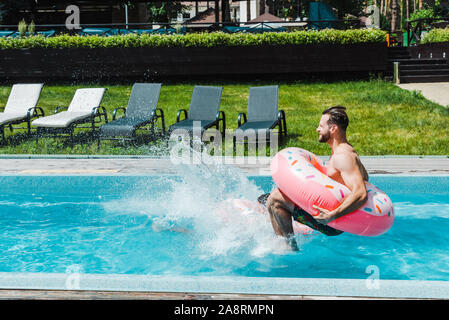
22, 28
10, 10
32, 28
285, 8
345, 7
429, 12
385, 23
436, 35
162, 11
327, 36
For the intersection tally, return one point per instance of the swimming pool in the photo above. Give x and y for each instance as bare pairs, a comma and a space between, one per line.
159, 233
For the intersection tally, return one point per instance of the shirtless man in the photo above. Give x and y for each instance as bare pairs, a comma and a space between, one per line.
344, 166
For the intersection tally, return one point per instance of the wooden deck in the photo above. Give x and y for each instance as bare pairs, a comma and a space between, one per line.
127, 295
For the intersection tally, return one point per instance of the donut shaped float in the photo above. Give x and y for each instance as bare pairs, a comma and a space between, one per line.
301, 176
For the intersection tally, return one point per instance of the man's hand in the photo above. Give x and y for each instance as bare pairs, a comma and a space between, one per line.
325, 216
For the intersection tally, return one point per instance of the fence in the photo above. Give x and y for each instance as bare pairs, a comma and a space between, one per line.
168, 28
416, 29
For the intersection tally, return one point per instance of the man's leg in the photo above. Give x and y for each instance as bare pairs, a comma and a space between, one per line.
280, 210
298, 215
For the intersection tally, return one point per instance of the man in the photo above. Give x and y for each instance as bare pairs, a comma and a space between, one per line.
344, 166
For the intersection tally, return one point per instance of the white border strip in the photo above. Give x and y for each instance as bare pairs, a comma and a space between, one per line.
226, 284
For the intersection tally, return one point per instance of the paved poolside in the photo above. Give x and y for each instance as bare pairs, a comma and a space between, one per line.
435, 91
142, 165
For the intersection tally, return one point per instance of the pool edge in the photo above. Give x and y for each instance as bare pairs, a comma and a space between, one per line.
362, 288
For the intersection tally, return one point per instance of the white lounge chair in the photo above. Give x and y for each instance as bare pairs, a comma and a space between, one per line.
21, 107
84, 108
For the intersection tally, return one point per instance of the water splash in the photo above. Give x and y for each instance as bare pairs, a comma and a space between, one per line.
197, 204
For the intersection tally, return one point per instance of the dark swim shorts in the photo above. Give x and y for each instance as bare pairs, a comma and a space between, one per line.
305, 218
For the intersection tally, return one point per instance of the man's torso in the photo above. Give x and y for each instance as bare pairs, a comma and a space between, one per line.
335, 174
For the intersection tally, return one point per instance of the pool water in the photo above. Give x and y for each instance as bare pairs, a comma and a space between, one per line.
167, 225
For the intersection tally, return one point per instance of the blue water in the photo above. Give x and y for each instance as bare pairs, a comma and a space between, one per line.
167, 225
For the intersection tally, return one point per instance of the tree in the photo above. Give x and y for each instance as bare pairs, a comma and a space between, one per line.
285, 8
345, 7
261, 7
10, 11
164, 12
407, 8
394, 15
225, 11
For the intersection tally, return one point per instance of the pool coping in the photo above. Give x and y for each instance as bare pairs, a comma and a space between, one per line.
226, 285
134, 165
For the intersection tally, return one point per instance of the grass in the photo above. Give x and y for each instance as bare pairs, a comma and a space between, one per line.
384, 119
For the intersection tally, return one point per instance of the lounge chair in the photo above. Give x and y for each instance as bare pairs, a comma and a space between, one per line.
96, 32
84, 108
21, 107
263, 114
203, 110
48, 33
142, 31
5, 34
141, 110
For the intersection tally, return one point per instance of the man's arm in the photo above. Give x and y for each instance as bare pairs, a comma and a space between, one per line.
353, 179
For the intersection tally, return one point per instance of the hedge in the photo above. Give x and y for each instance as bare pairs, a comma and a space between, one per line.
436, 35
327, 36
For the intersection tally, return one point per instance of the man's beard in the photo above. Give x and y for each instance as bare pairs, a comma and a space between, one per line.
324, 138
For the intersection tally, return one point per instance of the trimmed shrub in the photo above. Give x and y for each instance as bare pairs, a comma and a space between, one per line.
436, 35
214, 39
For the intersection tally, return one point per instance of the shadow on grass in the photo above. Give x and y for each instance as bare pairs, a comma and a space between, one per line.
87, 143
138, 141
16, 139
82, 140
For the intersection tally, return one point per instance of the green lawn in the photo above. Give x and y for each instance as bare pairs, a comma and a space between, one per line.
384, 119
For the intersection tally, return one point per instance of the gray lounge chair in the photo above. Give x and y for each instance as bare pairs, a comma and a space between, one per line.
263, 114
84, 108
203, 110
141, 110
21, 107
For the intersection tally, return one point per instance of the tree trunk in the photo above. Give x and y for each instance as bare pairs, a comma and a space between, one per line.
394, 15
217, 11
261, 7
225, 11
420, 4
407, 9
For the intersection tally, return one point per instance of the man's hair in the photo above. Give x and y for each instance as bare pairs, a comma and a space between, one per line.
337, 116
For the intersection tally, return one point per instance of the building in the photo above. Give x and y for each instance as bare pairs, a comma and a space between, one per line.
47, 12
44, 12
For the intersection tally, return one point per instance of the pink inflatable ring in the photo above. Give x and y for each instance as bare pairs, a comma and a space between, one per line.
301, 176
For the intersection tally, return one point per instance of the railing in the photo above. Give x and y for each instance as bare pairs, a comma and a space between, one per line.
416, 27
178, 27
